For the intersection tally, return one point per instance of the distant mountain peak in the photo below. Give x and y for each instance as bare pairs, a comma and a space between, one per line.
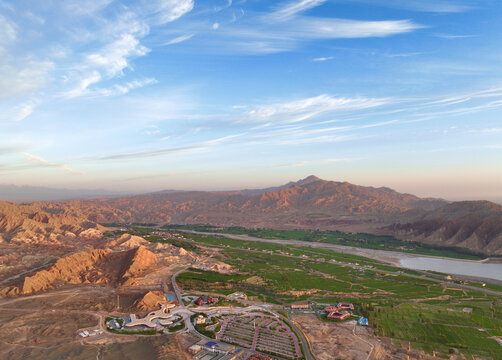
309, 179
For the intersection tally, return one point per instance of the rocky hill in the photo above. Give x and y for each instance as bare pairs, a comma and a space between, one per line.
95, 266
150, 301
476, 225
308, 203
42, 223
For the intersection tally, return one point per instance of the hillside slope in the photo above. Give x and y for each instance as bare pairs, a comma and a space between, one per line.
476, 225
95, 266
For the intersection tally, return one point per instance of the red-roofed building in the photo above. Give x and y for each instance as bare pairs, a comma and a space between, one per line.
338, 315
345, 306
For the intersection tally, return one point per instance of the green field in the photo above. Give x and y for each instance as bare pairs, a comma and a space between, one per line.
340, 238
422, 312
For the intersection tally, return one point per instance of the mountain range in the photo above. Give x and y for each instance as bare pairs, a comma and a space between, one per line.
309, 203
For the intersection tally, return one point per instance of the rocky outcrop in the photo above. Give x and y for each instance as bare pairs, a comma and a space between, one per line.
127, 241
88, 267
137, 260
150, 301
44, 223
79, 268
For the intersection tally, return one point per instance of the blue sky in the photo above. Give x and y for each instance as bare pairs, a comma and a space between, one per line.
180, 94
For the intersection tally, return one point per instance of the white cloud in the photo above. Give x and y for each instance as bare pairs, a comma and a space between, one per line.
309, 27
115, 90
294, 7
8, 30
258, 34
164, 11
300, 110
37, 161
432, 6
215, 26
23, 111
113, 58
80, 7
322, 58
453, 37
178, 39
22, 78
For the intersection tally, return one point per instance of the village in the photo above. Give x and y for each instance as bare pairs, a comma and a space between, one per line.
227, 332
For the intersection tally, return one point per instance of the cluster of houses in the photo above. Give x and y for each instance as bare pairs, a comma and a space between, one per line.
204, 300
340, 311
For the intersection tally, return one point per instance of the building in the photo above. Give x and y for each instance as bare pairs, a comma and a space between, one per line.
330, 308
200, 320
194, 349
204, 300
302, 306
338, 315
345, 306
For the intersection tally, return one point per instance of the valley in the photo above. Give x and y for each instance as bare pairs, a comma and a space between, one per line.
271, 276
118, 277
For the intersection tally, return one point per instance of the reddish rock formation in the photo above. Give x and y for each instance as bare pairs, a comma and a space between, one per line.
150, 301
88, 267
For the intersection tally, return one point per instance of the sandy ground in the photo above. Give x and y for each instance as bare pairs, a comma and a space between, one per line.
330, 340
45, 326
348, 341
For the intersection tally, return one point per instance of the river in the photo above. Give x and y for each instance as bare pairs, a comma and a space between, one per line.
451, 266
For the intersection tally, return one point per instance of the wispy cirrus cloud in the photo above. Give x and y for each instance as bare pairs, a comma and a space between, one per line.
286, 27
37, 161
178, 39
324, 58
303, 109
432, 6
171, 150
312, 162
454, 36
292, 8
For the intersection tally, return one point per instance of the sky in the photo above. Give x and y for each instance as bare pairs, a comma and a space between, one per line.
148, 95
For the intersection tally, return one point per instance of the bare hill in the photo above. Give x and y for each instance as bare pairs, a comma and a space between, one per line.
476, 225
41, 223
95, 266
294, 204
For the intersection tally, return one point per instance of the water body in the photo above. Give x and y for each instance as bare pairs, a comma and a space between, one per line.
458, 267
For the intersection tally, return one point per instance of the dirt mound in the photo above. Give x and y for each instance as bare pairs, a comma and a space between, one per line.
88, 267
150, 301
214, 265
128, 241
